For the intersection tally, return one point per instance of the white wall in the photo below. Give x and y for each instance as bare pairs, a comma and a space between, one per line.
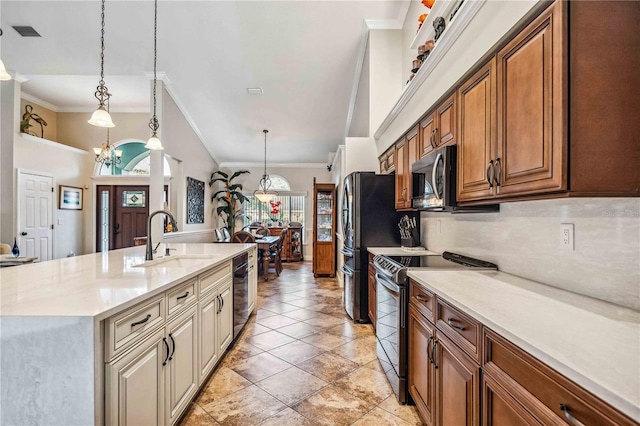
301, 181
360, 155
360, 119
385, 74
524, 239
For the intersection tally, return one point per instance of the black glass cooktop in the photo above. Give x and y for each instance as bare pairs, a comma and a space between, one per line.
447, 260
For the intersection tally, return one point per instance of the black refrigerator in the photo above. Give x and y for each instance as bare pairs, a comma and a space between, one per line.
369, 219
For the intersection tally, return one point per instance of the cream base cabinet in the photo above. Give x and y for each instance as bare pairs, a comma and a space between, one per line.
253, 280
181, 370
208, 321
225, 316
135, 385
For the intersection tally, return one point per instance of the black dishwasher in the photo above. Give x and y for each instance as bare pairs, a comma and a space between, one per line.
240, 292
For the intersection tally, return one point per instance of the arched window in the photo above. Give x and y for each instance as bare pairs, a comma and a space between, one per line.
278, 183
135, 160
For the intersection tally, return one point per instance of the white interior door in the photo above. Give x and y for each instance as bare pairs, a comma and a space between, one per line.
35, 215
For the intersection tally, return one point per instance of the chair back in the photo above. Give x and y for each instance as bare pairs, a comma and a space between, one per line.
281, 240
295, 225
227, 235
262, 231
5, 248
219, 236
242, 237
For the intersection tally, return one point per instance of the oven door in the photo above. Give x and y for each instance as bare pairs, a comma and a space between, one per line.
391, 333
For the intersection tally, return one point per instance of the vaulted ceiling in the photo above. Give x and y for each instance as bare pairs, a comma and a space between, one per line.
303, 54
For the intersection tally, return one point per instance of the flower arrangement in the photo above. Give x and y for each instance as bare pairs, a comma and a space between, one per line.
276, 215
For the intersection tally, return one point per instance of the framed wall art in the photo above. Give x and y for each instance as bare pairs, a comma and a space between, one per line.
70, 198
195, 201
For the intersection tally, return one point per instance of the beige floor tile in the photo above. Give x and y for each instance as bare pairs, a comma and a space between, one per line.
269, 340
223, 382
263, 313
241, 350
324, 320
326, 341
332, 406
296, 352
291, 385
280, 307
248, 406
377, 417
301, 314
277, 321
196, 416
375, 365
361, 351
260, 367
408, 413
352, 330
299, 330
366, 384
303, 303
288, 417
255, 328
328, 366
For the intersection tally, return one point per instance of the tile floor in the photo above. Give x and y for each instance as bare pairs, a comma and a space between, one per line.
300, 361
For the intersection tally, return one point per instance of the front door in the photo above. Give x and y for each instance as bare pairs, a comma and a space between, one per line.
35, 216
131, 212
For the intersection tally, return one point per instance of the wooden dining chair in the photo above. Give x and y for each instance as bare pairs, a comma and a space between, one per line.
243, 237
276, 254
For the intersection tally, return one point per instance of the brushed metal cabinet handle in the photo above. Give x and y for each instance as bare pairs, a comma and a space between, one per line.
572, 420
490, 173
450, 322
496, 172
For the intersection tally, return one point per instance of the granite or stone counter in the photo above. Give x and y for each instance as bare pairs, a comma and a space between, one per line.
399, 251
594, 343
98, 285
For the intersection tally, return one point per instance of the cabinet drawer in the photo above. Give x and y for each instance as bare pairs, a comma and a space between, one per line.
459, 327
130, 326
541, 390
252, 255
210, 279
422, 299
181, 297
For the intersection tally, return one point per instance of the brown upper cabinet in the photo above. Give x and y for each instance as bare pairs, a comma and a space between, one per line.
438, 128
524, 132
387, 161
407, 153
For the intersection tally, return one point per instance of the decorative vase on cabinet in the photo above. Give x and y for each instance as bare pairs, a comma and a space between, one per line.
324, 224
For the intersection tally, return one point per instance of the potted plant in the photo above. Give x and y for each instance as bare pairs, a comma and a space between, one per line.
230, 197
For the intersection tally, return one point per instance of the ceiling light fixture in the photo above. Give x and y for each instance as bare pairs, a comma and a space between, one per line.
108, 153
4, 75
101, 117
255, 90
263, 194
154, 142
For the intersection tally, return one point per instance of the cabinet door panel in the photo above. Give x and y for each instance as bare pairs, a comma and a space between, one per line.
135, 385
421, 371
208, 331
446, 131
531, 151
401, 191
225, 318
182, 366
499, 408
476, 103
427, 127
372, 295
457, 384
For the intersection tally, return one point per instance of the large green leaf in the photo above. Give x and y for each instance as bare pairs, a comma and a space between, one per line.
235, 186
222, 191
212, 181
238, 173
218, 172
221, 209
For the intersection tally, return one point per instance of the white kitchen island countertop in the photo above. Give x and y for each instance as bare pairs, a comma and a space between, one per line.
100, 284
399, 251
594, 343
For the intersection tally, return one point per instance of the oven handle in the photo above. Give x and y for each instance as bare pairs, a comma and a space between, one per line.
433, 176
389, 285
346, 271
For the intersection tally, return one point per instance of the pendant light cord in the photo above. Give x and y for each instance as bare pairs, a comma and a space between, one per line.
153, 124
264, 175
101, 82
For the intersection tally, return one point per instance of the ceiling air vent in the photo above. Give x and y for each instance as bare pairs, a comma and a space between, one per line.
255, 90
26, 31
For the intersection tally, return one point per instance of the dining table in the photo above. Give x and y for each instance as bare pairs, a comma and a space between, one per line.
264, 244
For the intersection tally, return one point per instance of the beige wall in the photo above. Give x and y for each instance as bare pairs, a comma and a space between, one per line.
73, 129
50, 117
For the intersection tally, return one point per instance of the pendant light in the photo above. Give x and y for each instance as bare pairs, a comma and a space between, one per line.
154, 142
108, 153
263, 194
101, 117
4, 75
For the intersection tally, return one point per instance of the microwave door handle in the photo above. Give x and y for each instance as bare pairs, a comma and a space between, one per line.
433, 175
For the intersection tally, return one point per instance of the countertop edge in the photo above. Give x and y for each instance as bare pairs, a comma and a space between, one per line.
617, 401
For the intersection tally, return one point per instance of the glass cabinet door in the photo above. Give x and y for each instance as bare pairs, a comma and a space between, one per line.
324, 230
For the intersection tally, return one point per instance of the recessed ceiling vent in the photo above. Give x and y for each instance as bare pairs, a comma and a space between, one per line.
254, 90
26, 31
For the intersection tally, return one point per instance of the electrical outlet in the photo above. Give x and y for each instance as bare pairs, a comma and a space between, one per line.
567, 237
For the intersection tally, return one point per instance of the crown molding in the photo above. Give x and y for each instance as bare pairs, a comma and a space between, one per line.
162, 76
232, 165
19, 77
30, 98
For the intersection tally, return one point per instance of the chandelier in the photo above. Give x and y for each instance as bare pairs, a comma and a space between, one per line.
154, 125
101, 117
4, 75
108, 154
263, 193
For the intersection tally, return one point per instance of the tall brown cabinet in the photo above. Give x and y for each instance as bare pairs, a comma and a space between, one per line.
324, 224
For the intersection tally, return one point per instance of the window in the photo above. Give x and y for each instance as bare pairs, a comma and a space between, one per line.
135, 161
290, 209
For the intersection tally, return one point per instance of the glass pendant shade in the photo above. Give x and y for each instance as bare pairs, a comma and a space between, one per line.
4, 75
264, 196
101, 118
154, 143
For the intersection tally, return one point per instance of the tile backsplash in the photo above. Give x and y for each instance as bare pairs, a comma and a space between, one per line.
525, 239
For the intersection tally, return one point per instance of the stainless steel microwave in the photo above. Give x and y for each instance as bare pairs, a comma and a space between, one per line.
434, 183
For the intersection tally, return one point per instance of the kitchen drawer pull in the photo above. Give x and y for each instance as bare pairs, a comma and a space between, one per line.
450, 322
421, 298
434, 353
173, 342
428, 346
496, 172
164, 340
572, 420
133, 324
489, 173
433, 138
184, 296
